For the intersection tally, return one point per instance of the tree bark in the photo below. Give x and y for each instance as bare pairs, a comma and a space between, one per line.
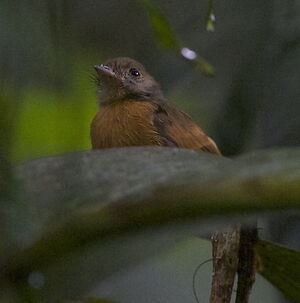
247, 264
225, 263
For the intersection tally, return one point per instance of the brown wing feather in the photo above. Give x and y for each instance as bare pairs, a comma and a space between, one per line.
178, 129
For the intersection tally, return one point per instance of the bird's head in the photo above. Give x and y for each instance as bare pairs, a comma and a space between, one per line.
126, 79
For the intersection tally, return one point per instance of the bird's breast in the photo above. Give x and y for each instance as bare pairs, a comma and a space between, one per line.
129, 123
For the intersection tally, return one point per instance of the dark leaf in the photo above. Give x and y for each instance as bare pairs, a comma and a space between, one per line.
281, 266
116, 207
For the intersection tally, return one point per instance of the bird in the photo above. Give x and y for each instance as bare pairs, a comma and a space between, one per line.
134, 112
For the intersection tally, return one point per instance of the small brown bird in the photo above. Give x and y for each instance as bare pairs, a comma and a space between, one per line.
133, 112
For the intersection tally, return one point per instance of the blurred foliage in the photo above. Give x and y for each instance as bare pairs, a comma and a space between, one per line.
51, 122
281, 266
53, 240
114, 226
211, 18
8, 109
166, 38
164, 35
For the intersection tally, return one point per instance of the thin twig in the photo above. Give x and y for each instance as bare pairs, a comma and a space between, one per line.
194, 278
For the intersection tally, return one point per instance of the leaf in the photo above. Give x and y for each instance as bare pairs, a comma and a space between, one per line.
164, 35
87, 182
281, 266
116, 207
211, 18
203, 66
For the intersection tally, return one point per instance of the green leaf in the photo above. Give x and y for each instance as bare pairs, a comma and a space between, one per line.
281, 266
203, 66
163, 32
211, 18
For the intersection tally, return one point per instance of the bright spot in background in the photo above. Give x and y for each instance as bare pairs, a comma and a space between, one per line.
188, 53
36, 279
213, 18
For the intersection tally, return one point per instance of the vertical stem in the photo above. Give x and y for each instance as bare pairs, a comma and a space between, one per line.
225, 263
247, 264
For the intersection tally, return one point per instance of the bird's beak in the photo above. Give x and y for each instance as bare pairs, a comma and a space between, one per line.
103, 70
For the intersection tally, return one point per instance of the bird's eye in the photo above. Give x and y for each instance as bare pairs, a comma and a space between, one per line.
134, 72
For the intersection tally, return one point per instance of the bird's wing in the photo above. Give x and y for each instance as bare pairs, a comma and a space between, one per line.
178, 129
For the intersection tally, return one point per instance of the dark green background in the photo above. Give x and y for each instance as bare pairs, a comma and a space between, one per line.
47, 96
48, 49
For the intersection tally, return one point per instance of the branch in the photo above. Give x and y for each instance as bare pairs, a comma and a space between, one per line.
225, 263
247, 264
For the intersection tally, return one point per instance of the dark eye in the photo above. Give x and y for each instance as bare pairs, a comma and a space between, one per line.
134, 72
